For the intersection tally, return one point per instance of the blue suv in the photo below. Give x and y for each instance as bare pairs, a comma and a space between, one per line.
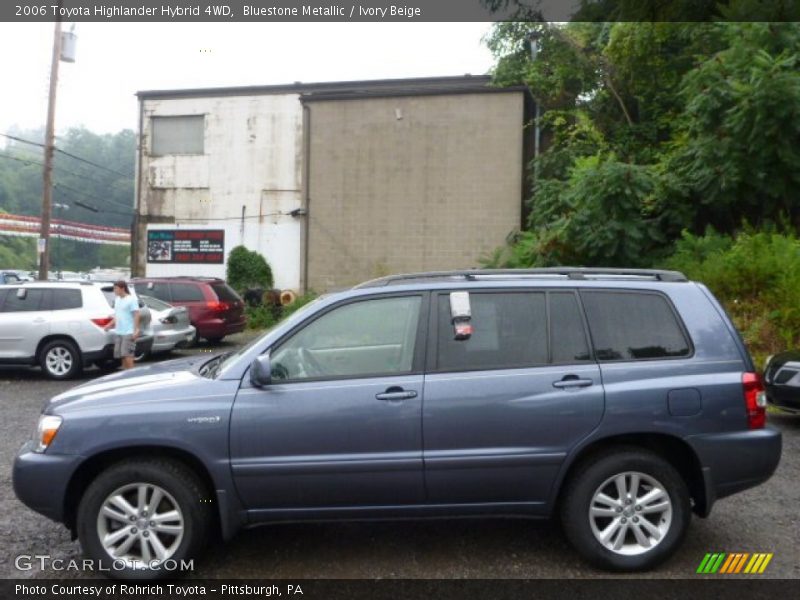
621, 401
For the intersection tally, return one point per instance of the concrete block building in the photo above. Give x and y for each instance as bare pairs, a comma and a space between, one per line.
333, 183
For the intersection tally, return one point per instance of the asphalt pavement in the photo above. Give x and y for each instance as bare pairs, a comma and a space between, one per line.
764, 519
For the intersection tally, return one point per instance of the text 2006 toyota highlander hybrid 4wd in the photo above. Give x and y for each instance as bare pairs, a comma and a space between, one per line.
621, 401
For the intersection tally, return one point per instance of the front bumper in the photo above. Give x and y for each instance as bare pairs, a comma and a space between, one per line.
41, 479
736, 460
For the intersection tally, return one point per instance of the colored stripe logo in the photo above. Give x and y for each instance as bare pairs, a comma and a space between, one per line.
734, 563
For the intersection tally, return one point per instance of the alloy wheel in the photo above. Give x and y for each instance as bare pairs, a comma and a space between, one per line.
140, 524
630, 513
59, 361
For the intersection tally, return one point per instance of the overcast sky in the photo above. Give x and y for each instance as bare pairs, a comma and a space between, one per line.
115, 60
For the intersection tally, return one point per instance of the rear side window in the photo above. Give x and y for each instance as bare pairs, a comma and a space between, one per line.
509, 331
32, 301
158, 290
634, 326
186, 292
3, 293
225, 293
65, 299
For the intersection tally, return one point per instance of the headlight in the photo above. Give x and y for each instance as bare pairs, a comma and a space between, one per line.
46, 431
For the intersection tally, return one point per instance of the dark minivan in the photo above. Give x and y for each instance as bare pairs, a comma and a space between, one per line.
620, 401
215, 309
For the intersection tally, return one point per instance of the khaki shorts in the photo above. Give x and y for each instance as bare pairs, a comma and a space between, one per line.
124, 345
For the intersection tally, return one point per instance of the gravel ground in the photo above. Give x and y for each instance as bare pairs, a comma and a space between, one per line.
764, 519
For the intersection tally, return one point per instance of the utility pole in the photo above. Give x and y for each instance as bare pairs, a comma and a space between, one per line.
49, 150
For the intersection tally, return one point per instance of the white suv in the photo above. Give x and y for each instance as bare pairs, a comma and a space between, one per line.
59, 326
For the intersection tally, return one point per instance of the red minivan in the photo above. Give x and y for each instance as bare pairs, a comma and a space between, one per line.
214, 308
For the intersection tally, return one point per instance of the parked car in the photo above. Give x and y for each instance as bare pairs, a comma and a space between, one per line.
621, 401
215, 310
59, 326
170, 325
7, 277
782, 377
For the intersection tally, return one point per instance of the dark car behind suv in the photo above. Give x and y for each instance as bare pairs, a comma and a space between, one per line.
215, 309
620, 401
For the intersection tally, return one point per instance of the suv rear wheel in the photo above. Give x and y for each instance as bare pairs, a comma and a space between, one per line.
141, 518
626, 510
60, 359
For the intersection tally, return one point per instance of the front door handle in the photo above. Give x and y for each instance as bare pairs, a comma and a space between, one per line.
572, 381
396, 393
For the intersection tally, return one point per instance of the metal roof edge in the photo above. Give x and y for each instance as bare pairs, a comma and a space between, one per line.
476, 81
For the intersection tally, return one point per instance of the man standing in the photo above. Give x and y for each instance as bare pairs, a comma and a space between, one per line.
125, 324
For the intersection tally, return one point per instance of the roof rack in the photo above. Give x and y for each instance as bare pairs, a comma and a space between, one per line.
578, 273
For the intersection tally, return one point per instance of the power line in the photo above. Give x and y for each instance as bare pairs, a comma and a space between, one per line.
97, 198
65, 153
30, 161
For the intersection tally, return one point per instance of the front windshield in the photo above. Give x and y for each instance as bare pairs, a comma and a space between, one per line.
231, 358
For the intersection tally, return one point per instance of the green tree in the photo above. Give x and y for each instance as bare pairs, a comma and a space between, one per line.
653, 128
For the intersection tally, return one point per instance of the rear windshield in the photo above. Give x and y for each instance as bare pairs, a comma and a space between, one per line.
186, 292
155, 303
225, 293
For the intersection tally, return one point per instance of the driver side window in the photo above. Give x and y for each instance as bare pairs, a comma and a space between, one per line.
361, 339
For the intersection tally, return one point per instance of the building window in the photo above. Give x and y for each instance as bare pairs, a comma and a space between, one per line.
178, 135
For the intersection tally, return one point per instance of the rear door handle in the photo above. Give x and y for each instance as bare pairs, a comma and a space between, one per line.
572, 383
396, 393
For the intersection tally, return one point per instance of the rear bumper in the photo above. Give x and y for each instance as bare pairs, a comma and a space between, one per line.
40, 480
214, 328
169, 339
737, 460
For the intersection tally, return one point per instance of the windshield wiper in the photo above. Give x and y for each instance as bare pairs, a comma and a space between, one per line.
210, 368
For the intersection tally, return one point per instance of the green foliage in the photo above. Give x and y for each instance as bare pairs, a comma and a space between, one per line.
110, 193
17, 253
739, 151
756, 276
264, 317
651, 129
248, 269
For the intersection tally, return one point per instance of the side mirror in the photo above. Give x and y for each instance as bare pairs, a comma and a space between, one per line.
260, 371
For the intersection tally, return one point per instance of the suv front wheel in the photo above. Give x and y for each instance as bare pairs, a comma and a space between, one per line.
626, 510
139, 519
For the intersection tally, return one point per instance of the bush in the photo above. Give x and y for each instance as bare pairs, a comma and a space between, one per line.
756, 276
264, 316
248, 269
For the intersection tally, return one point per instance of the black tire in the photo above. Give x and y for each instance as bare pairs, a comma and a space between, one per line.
60, 359
577, 498
215, 340
179, 482
140, 355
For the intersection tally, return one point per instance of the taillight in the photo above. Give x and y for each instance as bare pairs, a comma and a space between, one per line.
102, 322
217, 306
755, 400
